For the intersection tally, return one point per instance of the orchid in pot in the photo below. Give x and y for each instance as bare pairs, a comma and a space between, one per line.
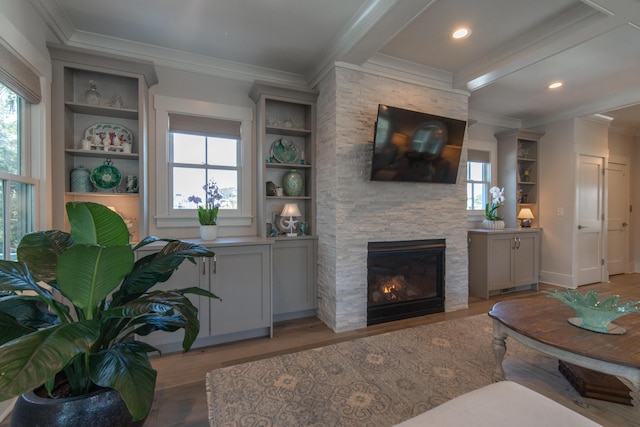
492, 220
208, 214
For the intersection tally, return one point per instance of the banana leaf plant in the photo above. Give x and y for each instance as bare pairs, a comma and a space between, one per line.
73, 305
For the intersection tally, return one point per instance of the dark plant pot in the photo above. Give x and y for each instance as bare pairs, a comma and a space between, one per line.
102, 408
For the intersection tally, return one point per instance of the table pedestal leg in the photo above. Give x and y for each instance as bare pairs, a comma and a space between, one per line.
499, 350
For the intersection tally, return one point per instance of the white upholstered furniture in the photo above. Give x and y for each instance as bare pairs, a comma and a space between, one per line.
504, 403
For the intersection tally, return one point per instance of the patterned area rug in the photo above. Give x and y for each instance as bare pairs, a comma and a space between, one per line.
374, 381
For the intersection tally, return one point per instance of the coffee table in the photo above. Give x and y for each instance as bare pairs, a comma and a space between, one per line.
541, 323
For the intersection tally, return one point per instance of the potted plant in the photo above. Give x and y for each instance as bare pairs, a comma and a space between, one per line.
72, 307
208, 214
492, 220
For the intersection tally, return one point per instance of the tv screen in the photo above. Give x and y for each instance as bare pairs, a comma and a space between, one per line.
413, 146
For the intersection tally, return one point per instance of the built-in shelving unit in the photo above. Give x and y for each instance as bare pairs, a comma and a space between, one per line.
122, 84
290, 113
518, 173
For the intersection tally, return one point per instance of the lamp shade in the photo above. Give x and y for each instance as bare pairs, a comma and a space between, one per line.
525, 213
290, 209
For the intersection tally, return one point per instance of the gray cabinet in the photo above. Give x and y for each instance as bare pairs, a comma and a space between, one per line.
240, 274
294, 289
502, 261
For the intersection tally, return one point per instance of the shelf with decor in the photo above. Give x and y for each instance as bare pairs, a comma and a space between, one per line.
285, 153
518, 174
99, 128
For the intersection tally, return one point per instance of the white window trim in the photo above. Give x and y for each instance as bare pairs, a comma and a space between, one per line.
164, 105
492, 148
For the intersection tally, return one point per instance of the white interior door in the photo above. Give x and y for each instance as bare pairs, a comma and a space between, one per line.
590, 187
617, 218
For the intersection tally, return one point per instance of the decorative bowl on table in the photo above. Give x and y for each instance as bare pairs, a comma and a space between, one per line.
595, 313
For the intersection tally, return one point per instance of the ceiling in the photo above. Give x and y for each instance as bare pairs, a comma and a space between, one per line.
516, 48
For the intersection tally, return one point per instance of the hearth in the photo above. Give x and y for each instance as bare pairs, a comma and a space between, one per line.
404, 279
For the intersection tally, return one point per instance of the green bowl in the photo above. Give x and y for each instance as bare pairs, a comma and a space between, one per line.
595, 313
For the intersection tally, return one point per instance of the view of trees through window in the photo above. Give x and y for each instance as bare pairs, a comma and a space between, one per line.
18, 219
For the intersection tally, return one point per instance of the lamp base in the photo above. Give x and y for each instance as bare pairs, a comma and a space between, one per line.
526, 223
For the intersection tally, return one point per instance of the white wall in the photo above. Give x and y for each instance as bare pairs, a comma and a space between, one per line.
353, 211
557, 191
559, 148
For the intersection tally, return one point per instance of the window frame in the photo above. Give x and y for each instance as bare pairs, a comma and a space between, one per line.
166, 216
492, 149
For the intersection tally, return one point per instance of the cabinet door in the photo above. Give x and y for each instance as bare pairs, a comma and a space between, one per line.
241, 276
500, 274
293, 281
526, 259
187, 275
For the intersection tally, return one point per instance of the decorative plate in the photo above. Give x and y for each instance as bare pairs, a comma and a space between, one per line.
106, 177
284, 151
123, 134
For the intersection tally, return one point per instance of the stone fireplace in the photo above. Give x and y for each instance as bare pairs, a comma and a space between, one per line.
404, 279
353, 211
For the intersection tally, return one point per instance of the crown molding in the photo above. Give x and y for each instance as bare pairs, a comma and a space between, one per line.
494, 120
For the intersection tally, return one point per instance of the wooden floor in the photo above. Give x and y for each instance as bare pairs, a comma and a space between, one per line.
180, 396
180, 393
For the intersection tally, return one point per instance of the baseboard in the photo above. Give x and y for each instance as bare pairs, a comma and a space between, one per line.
557, 279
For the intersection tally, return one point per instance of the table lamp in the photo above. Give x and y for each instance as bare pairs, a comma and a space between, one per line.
525, 216
290, 210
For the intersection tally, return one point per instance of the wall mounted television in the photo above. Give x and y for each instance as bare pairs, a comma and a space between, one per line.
418, 147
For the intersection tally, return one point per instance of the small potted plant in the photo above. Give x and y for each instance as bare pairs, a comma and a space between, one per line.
71, 309
208, 214
492, 220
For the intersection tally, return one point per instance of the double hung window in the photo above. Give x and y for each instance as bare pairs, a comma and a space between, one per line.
17, 189
478, 179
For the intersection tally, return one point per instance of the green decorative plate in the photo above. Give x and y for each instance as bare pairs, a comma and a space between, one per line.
284, 151
106, 177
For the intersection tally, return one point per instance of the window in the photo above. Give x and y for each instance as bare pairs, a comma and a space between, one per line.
478, 179
17, 190
190, 175
205, 141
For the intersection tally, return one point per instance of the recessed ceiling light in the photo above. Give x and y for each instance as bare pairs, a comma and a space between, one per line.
461, 33
554, 85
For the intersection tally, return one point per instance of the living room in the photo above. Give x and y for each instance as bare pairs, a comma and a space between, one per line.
351, 210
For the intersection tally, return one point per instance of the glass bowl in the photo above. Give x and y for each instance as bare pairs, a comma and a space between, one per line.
595, 313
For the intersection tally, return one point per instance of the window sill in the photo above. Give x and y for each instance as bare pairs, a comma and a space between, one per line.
171, 222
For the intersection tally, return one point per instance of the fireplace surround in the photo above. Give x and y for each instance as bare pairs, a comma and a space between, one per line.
404, 279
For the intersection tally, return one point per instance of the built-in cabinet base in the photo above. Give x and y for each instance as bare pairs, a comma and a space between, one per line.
503, 261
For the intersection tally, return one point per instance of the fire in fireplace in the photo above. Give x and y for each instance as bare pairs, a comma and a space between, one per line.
405, 279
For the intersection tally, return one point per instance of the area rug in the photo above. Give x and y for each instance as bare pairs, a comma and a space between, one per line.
375, 381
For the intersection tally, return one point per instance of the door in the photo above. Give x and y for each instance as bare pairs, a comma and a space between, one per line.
589, 188
618, 218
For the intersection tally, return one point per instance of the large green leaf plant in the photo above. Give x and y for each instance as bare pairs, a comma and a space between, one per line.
74, 303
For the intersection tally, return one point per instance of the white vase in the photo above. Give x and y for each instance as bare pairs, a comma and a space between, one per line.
208, 232
493, 225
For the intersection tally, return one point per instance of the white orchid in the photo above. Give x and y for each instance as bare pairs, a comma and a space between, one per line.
497, 200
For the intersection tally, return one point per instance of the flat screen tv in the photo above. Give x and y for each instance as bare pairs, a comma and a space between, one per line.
418, 147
